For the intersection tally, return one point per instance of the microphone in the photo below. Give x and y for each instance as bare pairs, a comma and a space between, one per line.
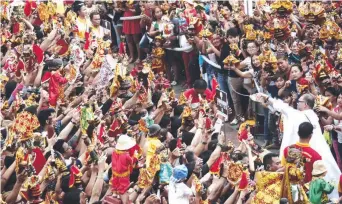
284, 201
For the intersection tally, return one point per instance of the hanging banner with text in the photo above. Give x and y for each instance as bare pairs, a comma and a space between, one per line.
221, 99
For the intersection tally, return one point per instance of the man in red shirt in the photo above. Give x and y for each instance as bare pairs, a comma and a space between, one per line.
305, 131
200, 88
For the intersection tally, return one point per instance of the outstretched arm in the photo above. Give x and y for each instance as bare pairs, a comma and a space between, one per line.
96, 193
276, 104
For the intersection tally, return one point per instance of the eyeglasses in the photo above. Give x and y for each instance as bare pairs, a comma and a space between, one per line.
300, 101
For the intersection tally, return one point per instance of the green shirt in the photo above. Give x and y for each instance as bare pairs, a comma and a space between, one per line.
319, 189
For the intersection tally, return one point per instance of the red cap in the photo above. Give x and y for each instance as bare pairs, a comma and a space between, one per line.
38, 52
46, 77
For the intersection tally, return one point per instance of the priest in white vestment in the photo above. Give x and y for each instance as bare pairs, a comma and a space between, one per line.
292, 119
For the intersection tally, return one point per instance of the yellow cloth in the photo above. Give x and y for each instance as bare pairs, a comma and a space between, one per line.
97, 32
152, 145
293, 178
157, 61
60, 7
268, 187
147, 174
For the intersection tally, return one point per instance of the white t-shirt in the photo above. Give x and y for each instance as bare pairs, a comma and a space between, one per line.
339, 134
179, 193
338, 123
248, 62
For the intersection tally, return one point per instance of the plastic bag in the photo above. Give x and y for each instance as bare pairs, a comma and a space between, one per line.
327, 137
165, 172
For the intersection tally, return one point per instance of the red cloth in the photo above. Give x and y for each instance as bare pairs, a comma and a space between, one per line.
214, 86
39, 161
87, 43
120, 185
122, 165
37, 22
340, 184
310, 157
215, 168
20, 67
12, 67
56, 81
131, 26
243, 135
243, 182
101, 133
38, 52
115, 128
179, 142
74, 172
64, 45
132, 151
46, 77
27, 8
16, 28
195, 98
122, 48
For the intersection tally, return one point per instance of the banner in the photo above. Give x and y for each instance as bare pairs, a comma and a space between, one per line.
221, 99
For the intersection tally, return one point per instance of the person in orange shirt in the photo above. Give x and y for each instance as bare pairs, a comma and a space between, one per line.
122, 166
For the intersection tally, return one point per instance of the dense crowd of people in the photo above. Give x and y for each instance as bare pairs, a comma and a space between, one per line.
91, 110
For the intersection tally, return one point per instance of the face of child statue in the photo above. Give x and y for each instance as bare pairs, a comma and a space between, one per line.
294, 155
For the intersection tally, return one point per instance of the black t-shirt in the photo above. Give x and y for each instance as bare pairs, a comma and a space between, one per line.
117, 16
225, 52
273, 90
